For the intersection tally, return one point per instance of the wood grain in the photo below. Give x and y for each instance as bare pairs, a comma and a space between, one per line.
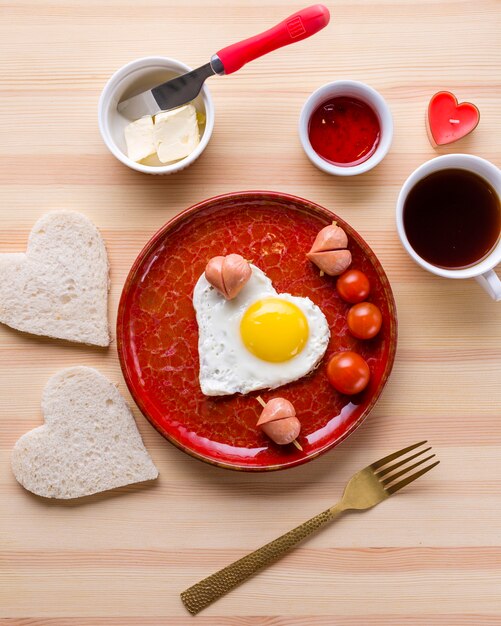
429, 557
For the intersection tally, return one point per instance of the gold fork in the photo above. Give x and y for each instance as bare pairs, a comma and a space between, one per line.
365, 489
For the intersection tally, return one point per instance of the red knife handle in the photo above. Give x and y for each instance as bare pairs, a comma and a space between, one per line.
298, 26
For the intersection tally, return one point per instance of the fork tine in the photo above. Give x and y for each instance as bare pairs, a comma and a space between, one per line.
387, 470
395, 455
391, 490
406, 470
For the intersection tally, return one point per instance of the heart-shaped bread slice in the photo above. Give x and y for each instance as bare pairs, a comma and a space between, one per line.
59, 287
89, 442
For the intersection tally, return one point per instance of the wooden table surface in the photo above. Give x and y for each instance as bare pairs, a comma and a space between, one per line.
432, 555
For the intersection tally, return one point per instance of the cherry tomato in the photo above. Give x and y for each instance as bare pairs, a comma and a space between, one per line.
353, 286
364, 320
348, 372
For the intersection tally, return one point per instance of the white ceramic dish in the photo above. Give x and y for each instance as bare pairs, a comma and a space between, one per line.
354, 89
483, 271
130, 79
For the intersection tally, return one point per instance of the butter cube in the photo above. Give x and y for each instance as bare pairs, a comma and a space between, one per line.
139, 138
176, 133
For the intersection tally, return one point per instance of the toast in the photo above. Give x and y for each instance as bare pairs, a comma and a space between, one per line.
59, 286
89, 442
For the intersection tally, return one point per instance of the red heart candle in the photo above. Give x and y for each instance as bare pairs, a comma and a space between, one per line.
448, 121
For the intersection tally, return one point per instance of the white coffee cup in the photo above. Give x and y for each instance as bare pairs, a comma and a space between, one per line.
483, 271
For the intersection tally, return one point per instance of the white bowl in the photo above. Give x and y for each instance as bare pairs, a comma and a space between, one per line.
353, 89
130, 79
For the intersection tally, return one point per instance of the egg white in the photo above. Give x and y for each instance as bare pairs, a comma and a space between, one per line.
226, 366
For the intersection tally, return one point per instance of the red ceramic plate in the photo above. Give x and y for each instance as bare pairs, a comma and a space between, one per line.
158, 334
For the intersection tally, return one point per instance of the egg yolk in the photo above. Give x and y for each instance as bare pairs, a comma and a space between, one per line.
274, 330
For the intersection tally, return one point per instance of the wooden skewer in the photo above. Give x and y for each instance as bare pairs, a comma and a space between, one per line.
298, 445
322, 273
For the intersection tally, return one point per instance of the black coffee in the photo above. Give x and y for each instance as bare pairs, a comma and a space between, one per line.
452, 218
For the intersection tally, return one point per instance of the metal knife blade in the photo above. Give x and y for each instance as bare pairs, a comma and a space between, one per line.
169, 95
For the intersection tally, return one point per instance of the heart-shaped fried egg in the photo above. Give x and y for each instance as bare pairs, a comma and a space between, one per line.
259, 340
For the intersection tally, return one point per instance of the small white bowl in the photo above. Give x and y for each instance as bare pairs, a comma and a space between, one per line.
360, 91
130, 79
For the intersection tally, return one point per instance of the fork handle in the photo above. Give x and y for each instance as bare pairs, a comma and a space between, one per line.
213, 587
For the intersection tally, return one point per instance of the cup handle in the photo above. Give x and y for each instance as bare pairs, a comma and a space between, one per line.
491, 283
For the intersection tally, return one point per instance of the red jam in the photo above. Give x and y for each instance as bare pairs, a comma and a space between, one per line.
344, 131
